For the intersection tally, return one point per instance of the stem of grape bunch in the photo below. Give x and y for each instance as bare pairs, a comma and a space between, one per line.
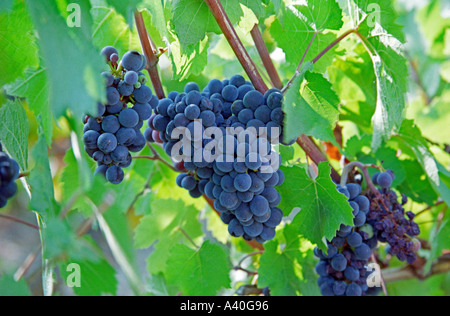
241, 53
152, 59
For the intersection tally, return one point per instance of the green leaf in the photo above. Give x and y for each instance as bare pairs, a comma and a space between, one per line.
321, 15
384, 39
9, 287
96, 277
322, 208
311, 108
288, 269
14, 132
17, 42
41, 182
190, 61
33, 86
111, 29
439, 242
391, 73
201, 272
74, 73
125, 8
380, 16
115, 227
411, 136
192, 19
300, 24
165, 226
352, 78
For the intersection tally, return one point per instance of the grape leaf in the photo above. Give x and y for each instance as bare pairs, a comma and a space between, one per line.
288, 269
323, 208
125, 8
17, 42
439, 241
311, 108
299, 24
14, 132
384, 39
190, 61
41, 182
74, 72
111, 29
412, 137
33, 86
165, 226
380, 16
201, 272
96, 277
192, 19
391, 73
10, 287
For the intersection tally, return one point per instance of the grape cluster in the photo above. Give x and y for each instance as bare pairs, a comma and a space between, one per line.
114, 132
392, 224
343, 269
9, 173
229, 128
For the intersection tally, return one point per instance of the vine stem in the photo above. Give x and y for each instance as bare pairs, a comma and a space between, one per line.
333, 44
241, 53
19, 221
349, 167
299, 67
316, 155
152, 59
156, 157
265, 57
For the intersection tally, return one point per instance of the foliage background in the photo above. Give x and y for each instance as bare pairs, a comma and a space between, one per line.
147, 236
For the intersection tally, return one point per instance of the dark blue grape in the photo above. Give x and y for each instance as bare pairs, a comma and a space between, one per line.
254, 229
192, 112
110, 124
237, 81
384, 180
253, 100
131, 78
143, 94
242, 182
90, 139
339, 263
259, 205
107, 143
128, 118
132, 61
230, 93
115, 175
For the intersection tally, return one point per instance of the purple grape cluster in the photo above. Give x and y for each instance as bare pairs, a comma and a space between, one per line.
114, 132
392, 224
241, 184
343, 269
9, 173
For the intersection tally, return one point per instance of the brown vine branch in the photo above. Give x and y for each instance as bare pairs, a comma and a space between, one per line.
241, 53
316, 155
19, 221
265, 57
441, 266
152, 60
349, 167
